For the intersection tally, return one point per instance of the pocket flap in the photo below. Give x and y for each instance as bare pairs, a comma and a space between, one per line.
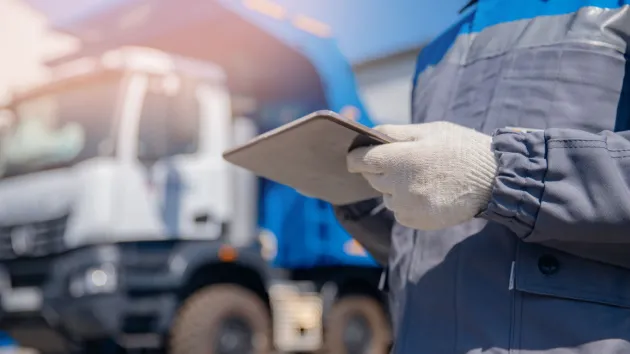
545, 271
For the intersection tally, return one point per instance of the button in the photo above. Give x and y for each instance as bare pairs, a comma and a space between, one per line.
548, 264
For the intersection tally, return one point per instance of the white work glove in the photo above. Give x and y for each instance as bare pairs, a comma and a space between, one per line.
439, 175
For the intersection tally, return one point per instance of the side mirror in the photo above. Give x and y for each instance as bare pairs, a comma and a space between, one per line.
7, 117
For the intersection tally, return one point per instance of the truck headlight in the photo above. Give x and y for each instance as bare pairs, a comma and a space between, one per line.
268, 244
95, 280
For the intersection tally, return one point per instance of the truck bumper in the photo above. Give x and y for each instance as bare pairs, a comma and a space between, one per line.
62, 317
132, 323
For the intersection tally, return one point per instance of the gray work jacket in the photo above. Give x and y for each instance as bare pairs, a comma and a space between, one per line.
546, 267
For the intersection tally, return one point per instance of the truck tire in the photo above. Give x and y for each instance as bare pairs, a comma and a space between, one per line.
222, 319
357, 324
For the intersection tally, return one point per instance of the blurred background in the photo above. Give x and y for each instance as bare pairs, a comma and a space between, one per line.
122, 230
380, 39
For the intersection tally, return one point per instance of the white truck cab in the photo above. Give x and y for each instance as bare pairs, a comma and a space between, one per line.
120, 220
96, 147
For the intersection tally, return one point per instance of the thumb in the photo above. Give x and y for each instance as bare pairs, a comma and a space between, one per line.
376, 159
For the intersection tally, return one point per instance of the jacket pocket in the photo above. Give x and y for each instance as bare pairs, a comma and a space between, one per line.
567, 302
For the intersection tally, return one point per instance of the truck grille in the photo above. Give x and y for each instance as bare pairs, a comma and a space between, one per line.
34, 239
29, 272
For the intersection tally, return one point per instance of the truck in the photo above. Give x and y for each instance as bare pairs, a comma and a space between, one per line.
121, 226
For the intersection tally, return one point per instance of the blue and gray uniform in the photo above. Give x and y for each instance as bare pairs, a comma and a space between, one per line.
546, 268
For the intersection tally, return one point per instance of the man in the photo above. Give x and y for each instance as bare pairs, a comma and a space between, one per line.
509, 240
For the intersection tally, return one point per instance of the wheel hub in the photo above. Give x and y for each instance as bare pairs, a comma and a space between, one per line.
235, 336
357, 336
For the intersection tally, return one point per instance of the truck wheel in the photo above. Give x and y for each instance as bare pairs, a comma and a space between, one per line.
357, 325
222, 319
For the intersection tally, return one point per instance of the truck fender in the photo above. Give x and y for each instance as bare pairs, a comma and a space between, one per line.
191, 256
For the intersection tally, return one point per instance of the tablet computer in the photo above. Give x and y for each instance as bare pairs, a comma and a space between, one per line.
309, 154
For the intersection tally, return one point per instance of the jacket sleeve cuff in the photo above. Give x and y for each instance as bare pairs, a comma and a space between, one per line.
519, 182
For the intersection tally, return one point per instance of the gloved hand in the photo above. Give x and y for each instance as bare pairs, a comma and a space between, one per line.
440, 175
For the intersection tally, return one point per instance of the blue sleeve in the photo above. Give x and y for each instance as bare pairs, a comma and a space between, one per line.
370, 225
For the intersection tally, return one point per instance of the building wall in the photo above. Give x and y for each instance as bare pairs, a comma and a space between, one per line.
25, 42
385, 86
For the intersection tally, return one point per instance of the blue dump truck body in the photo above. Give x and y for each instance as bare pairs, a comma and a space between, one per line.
307, 232
6, 341
289, 63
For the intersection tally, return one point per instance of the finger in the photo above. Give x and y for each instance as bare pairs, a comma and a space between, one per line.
388, 200
404, 220
379, 182
372, 159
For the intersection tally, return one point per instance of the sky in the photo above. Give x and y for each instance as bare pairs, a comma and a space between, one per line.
367, 29
364, 29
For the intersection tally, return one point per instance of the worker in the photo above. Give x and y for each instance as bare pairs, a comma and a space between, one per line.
506, 226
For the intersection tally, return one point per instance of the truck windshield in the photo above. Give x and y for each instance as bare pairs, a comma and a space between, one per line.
59, 128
